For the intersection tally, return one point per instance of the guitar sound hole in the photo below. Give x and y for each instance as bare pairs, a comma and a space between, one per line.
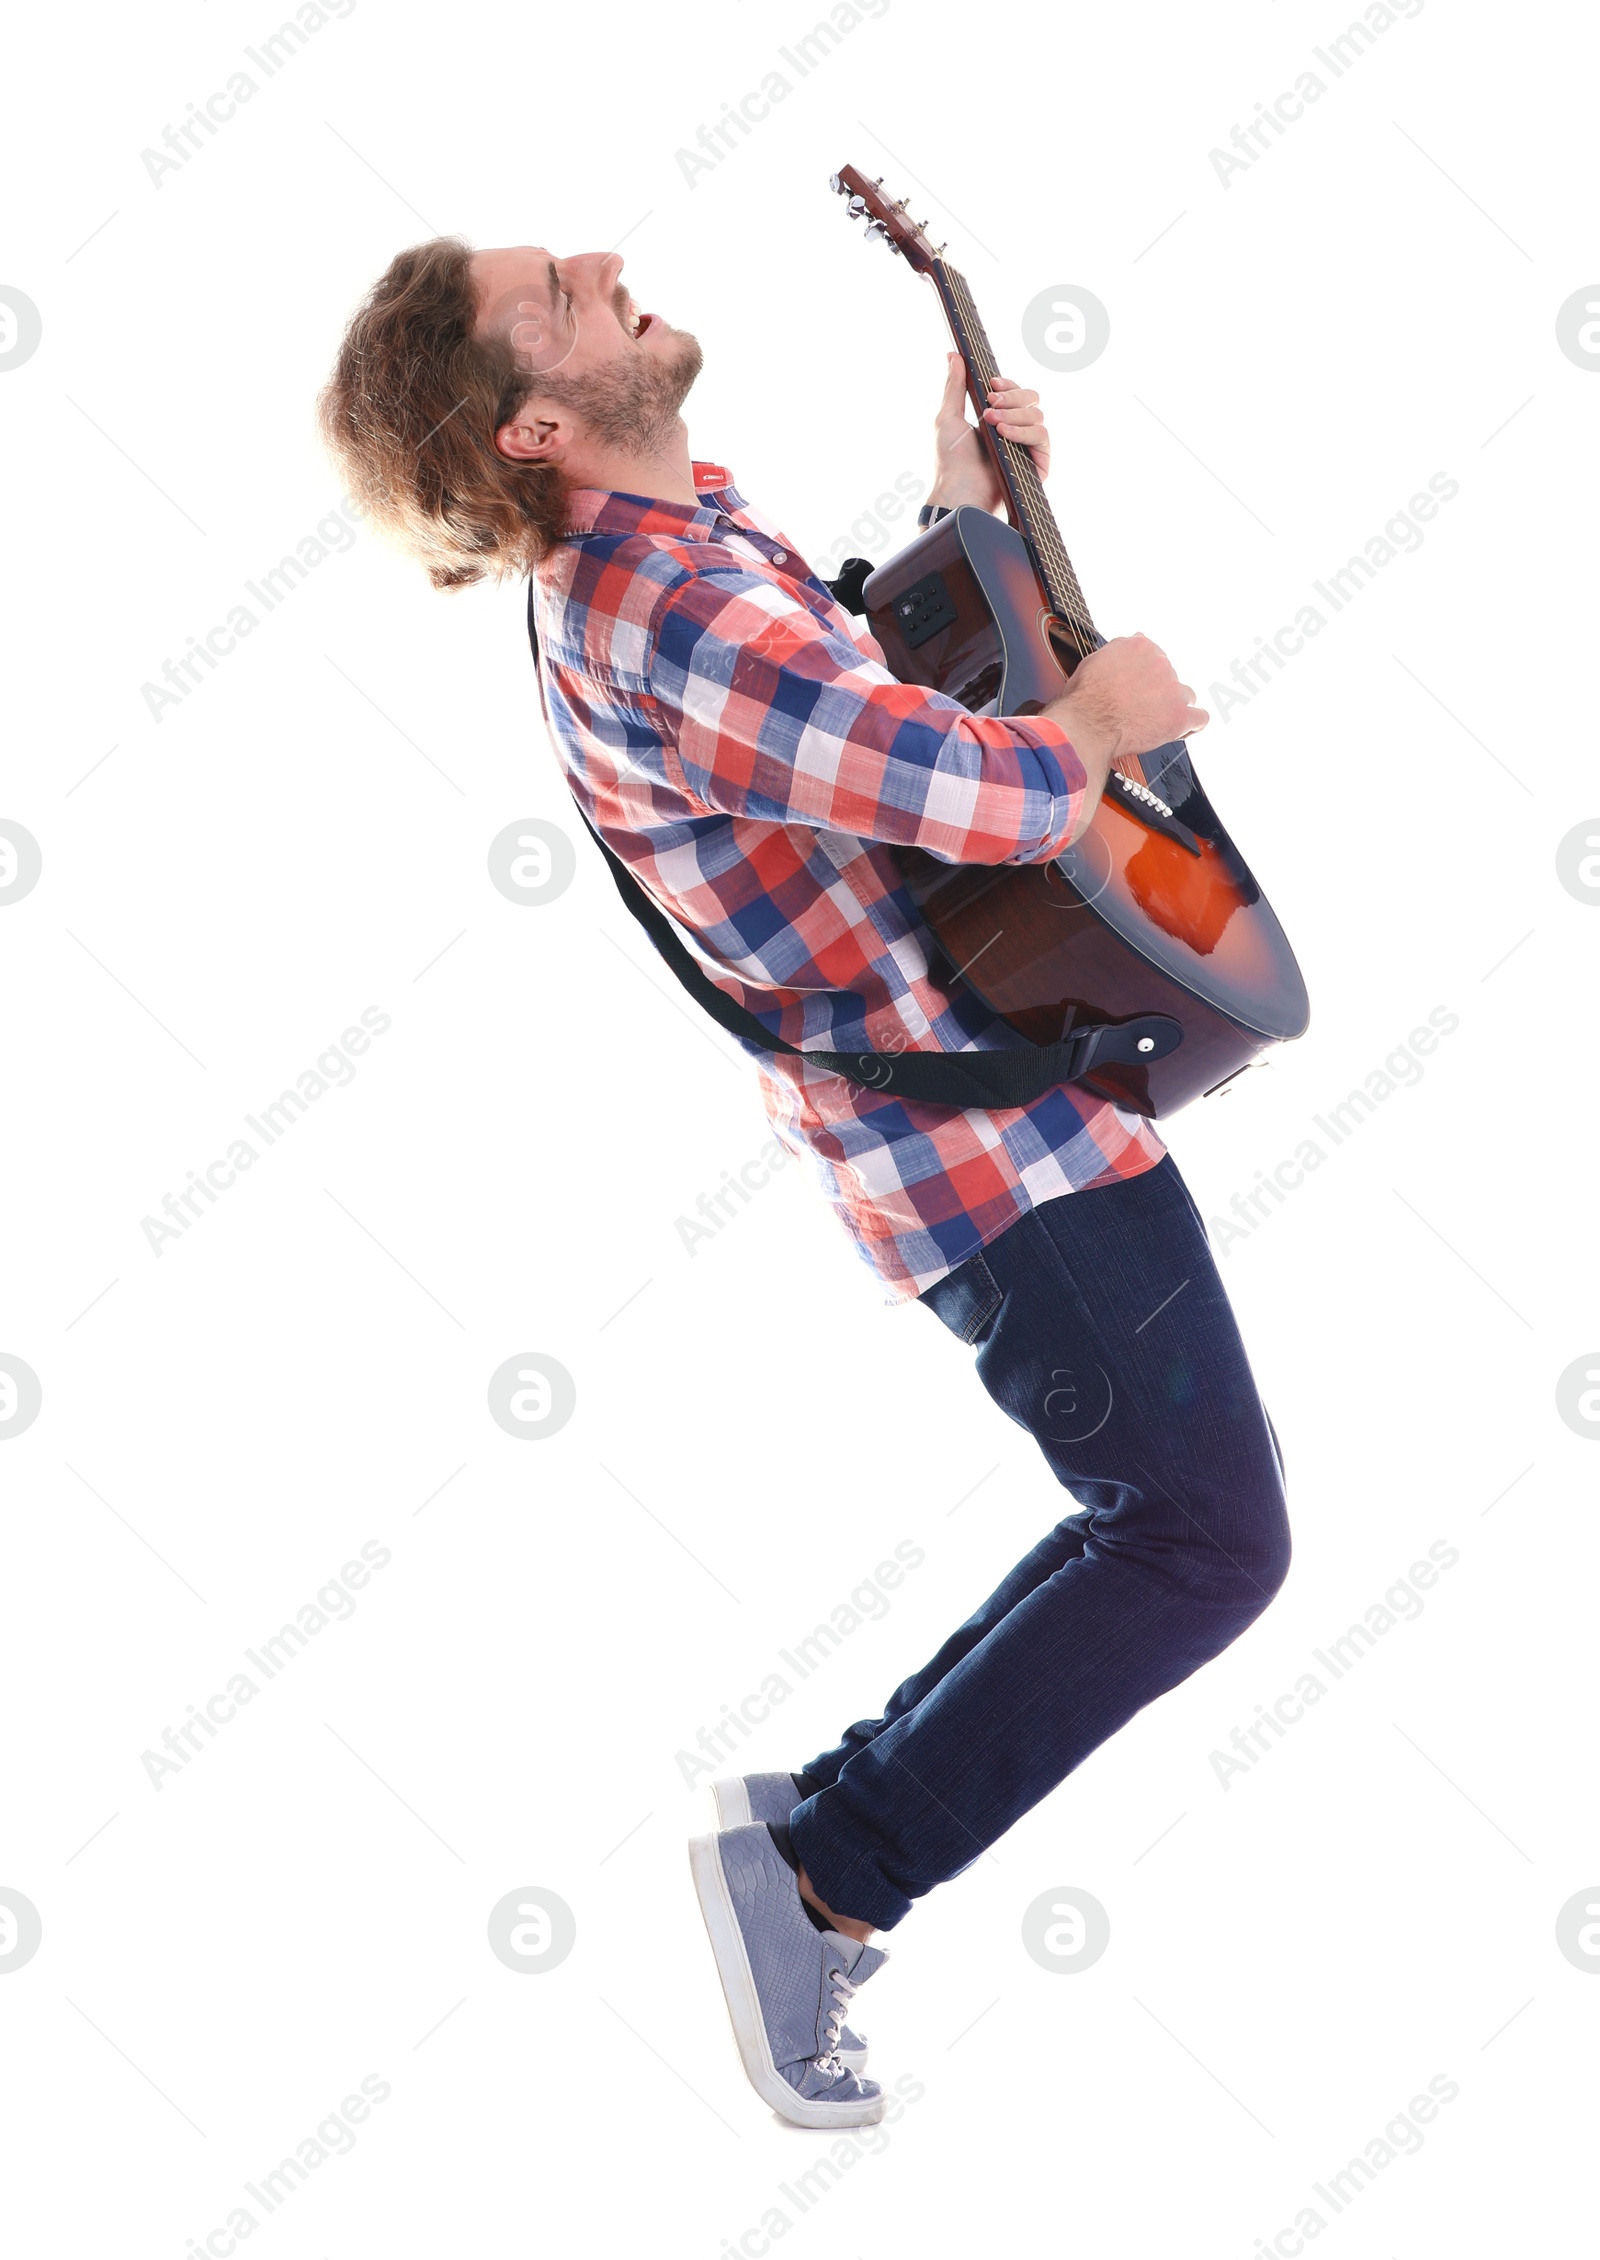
1068, 653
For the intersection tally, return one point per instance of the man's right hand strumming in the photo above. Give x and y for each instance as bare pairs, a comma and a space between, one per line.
1123, 698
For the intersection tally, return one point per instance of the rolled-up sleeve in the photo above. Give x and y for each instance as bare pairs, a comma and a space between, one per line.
768, 713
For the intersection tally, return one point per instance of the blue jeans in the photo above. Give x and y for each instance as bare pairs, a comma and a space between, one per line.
1104, 1330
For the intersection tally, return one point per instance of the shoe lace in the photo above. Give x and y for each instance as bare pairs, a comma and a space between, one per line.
828, 2060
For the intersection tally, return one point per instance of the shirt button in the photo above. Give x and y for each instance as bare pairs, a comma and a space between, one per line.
780, 557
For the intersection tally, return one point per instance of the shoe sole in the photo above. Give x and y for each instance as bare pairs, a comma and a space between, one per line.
744, 2004
732, 1801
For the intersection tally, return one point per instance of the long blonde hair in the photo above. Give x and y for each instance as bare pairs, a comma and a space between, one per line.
410, 413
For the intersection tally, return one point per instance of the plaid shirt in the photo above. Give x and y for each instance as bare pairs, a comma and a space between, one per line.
735, 736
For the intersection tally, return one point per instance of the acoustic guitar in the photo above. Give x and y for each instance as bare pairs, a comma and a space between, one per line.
1152, 909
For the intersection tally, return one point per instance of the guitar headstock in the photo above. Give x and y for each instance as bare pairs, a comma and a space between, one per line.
886, 222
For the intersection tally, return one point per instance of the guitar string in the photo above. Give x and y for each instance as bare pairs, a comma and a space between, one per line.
1038, 519
1013, 456
1022, 474
1046, 535
1026, 487
1062, 582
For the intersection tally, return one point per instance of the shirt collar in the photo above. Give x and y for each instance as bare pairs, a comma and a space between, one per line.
598, 510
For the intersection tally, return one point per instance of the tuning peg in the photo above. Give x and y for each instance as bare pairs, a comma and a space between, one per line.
836, 184
876, 229
856, 206
878, 183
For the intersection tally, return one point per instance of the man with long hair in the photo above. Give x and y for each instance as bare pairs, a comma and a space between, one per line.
731, 734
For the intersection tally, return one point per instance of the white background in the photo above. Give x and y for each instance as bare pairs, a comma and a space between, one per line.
1374, 1903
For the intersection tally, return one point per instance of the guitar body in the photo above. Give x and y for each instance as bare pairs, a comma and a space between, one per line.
1151, 910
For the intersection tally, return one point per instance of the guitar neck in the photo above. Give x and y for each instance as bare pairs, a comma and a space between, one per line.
1028, 504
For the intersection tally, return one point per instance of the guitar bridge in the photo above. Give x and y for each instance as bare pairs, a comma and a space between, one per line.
1152, 811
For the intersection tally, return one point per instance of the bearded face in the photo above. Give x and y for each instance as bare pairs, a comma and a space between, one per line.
630, 403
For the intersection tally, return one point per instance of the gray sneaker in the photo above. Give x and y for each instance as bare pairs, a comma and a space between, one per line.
745, 1797
741, 1798
787, 1984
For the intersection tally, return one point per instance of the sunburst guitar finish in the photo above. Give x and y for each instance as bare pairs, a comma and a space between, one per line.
1152, 909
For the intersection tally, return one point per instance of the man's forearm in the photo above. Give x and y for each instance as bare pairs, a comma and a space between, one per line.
1094, 740
1122, 699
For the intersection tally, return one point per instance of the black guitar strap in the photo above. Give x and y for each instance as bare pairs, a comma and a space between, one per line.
1010, 1078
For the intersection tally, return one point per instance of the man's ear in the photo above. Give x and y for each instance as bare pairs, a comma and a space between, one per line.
531, 438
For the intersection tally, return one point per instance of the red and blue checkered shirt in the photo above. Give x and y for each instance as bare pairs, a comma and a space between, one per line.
734, 735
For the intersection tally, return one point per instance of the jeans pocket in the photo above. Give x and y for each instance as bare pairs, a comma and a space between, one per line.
967, 1299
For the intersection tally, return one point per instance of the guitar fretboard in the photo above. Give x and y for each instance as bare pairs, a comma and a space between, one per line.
1036, 521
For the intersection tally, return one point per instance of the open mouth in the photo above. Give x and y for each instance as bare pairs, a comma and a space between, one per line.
636, 323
